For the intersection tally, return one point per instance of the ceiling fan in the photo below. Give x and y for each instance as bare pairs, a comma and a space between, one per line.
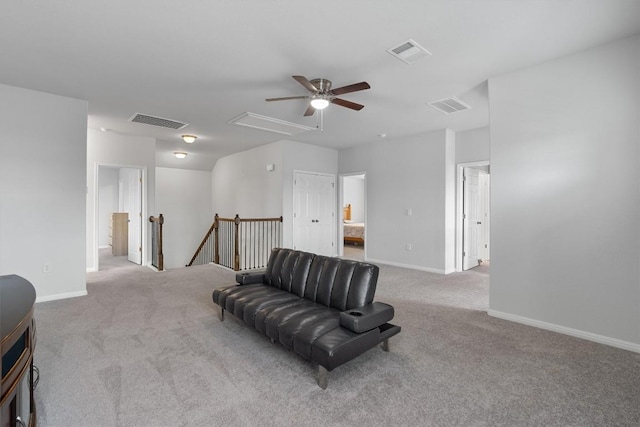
322, 94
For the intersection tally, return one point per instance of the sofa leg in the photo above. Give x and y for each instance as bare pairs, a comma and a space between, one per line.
322, 377
385, 344
221, 313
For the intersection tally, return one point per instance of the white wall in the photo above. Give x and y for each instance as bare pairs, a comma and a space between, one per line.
107, 201
566, 194
184, 198
305, 158
416, 173
112, 149
242, 185
43, 190
353, 194
473, 145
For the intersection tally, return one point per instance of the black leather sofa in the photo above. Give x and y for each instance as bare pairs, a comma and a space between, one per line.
319, 307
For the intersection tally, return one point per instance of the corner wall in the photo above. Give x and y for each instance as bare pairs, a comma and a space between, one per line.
112, 149
565, 200
43, 156
242, 185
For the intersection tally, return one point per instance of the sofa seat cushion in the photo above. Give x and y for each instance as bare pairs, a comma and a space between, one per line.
309, 333
285, 317
263, 303
220, 295
228, 297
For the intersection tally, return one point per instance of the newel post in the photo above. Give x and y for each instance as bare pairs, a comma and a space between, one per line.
236, 250
216, 240
160, 254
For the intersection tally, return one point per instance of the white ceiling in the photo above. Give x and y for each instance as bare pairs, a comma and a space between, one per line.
205, 62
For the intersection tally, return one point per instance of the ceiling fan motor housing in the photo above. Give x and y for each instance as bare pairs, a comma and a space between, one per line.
323, 85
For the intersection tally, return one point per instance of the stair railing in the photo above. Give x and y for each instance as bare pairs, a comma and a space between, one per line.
157, 258
239, 243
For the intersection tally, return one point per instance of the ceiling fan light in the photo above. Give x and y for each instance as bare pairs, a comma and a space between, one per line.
189, 139
319, 103
180, 154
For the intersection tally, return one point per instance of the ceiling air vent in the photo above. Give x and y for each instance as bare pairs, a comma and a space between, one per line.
409, 52
157, 121
449, 105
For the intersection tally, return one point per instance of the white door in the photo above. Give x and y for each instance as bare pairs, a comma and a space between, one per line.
314, 213
132, 204
471, 218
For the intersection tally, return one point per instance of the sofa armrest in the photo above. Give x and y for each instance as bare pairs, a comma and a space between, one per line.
366, 318
250, 278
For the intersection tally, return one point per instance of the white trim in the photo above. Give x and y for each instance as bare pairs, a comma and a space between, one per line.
412, 267
91, 269
61, 296
146, 252
459, 189
613, 342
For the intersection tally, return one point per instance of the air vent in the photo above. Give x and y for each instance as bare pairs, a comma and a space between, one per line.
157, 121
270, 124
449, 105
409, 52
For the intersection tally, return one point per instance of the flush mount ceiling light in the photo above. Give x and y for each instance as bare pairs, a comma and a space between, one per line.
189, 139
319, 103
180, 154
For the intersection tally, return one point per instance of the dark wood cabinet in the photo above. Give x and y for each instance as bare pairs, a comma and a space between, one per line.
18, 340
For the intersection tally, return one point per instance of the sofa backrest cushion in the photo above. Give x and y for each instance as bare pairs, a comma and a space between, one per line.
338, 283
287, 269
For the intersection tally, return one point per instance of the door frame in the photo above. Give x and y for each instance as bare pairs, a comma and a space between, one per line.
340, 217
96, 210
459, 207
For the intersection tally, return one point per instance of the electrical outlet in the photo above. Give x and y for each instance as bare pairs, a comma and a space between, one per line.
408, 247
46, 267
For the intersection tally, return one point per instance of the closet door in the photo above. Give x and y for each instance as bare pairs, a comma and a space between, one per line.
314, 216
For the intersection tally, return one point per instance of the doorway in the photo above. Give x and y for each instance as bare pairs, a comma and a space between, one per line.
352, 224
473, 224
119, 214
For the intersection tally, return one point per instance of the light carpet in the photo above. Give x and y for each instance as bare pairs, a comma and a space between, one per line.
147, 349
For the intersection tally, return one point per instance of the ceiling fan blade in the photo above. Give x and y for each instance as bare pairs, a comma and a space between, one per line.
310, 111
285, 98
351, 88
348, 104
306, 83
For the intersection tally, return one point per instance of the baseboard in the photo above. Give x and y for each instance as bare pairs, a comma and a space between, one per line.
412, 267
61, 296
91, 269
601, 339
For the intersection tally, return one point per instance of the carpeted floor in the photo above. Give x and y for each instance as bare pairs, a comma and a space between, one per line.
146, 349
